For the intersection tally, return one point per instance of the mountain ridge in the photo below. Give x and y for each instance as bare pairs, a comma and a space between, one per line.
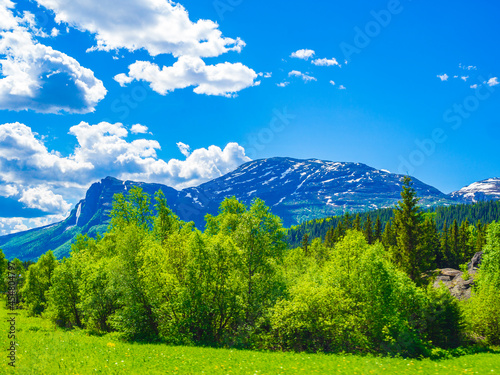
297, 190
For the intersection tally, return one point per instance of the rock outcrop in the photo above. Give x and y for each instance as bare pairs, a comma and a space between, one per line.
459, 285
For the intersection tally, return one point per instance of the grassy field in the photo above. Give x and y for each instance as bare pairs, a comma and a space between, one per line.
44, 349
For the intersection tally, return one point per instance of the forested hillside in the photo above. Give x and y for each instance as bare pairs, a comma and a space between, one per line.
473, 214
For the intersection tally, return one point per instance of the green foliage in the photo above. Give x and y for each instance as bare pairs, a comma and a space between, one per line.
153, 277
358, 302
38, 281
408, 220
484, 306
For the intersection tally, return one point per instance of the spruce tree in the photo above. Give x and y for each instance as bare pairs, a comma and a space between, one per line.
445, 255
368, 230
408, 220
356, 225
377, 230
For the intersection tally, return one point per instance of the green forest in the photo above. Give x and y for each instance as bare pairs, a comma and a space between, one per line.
362, 289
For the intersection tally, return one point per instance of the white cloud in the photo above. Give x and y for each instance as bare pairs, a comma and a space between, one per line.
8, 190
342, 87
325, 62
464, 78
306, 78
467, 67
158, 26
18, 224
184, 149
283, 84
474, 86
44, 199
36, 76
139, 129
303, 54
223, 79
443, 77
332, 83
493, 81
47, 180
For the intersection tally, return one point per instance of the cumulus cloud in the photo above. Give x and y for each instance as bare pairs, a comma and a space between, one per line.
332, 83
37, 77
306, 78
464, 78
184, 149
158, 26
304, 54
325, 62
493, 81
443, 77
139, 129
224, 79
342, 87
44, 199
48, 181
283, 84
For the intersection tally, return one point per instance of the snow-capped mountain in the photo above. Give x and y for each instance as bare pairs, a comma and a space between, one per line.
479, 191
296, 190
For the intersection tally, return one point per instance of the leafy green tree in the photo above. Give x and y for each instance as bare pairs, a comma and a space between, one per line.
63, 296
484, 306
3, 272
38, 282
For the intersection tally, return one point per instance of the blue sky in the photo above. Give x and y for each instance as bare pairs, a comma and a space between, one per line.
179, 93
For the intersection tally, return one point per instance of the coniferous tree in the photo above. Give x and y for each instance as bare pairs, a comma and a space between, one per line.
464, 244
480, 237
356, 225
377, 230
389, 236
445, 254
305, 243
430, 243
454, 258
368, 230
408, 221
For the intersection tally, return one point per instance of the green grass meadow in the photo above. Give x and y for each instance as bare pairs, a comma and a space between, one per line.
44, 349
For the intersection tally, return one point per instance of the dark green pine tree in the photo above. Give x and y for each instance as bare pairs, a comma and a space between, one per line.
305, 244
356, 225
443, 260
368, 230
430, 243
389, 236
377, 230
329, 238
408, 221
480, 237
454, 259
464, 242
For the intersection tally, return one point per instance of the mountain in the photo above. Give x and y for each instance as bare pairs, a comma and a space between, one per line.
485, 190
296, 190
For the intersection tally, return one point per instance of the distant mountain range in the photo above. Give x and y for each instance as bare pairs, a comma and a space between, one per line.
296, 190
479, 191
